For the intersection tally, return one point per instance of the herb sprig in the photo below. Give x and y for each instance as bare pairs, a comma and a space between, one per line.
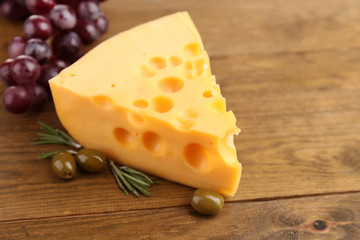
54, 136
128, 179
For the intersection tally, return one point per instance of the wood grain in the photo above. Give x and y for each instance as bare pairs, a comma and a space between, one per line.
290, 72
322, 217
232, 27
310, 141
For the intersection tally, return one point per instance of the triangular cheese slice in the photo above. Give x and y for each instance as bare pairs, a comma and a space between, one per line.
146, 97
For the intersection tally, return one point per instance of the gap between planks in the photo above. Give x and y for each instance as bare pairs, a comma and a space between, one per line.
112, 213
285, 53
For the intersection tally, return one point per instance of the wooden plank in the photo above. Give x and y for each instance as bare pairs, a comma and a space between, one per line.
301, 132
300, 119
321, 217
231, 27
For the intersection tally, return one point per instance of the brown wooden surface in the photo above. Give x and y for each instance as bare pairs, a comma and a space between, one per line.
290, 71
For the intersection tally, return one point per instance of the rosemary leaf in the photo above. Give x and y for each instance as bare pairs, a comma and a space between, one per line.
44, 135
69, 139
143, 189
121, 186
54, 136
137, 173
143, 179
52, 153
127, 184
39, 142
47, 128
48, 154
119, 173
54, 139
137, 180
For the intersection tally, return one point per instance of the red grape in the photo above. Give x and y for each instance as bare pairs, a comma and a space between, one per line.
25, 69
13, 11
40, 6
16, 47
38, 49
77, 56
17, 99
63, 17
20, 2
5, 72
88, 9
65, 1
37, 26
60, 63
66, 45
87, 31
101, 24
75, 22
48, 71
39, 98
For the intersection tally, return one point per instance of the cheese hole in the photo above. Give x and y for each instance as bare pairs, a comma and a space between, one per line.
230, 140
123, 136
157, 63
188, 113
197, 156
188, 69
189, 65
185, 119
171, 84
184, 123
175, 61
199, 66
113, 85
146, 72
141, 103
162, 104
218, 106
136, 119
103, 101
227, 149
192, 49
208, 94
152, 141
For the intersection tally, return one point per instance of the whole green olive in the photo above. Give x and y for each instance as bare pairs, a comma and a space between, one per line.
63, 164
207, 202
91, 160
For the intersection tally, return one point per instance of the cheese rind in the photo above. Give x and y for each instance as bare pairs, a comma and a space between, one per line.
146, 97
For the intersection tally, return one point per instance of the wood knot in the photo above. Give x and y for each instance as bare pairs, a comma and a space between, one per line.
320, 225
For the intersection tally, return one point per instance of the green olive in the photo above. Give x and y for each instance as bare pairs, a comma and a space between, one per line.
207, 202
91, 160
63, 164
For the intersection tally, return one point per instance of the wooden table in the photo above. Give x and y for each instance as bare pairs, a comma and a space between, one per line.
290, 71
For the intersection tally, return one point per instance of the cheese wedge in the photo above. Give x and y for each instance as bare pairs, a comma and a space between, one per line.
146, 97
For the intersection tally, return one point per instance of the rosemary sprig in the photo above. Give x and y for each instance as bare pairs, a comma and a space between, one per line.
54, 136
128, 179
131, 180
52, 153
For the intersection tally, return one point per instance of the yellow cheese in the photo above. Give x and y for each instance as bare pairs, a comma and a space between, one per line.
146, 97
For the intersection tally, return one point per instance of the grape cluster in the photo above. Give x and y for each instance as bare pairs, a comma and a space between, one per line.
54, 34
